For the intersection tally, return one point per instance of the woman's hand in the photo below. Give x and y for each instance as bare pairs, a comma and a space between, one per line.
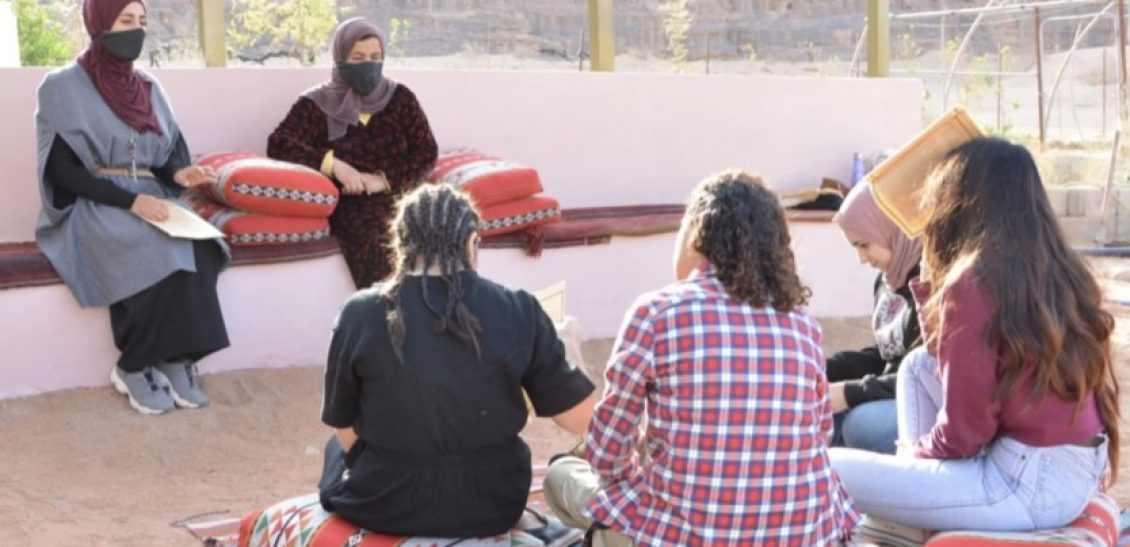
924, 272
375, 183
346, 436
195, 175
836, 394
150, 208
351, 181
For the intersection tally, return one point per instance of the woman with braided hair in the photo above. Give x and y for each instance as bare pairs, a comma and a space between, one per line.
424, 385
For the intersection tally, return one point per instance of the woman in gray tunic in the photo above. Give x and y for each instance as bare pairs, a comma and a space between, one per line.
109, 152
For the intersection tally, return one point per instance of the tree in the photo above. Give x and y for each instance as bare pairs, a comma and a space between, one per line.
397, 36
298, 29
677, 22
42, 41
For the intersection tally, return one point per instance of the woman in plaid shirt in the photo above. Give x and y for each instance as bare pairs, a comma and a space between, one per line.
724, 370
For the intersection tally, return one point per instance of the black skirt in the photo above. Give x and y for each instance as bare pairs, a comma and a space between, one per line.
177, 319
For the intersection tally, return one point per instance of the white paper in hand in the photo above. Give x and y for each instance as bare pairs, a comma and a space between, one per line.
185, 224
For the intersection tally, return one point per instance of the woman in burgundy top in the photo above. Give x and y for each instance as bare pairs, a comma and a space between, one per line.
1008, 418
370, 135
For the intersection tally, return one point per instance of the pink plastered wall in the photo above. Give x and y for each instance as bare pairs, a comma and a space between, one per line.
597, 139
277, 315
603, 280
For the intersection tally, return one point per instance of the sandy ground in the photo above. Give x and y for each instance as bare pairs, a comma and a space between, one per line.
79, 468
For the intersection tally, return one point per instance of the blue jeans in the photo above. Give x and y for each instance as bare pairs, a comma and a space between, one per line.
871, 426
1010, 486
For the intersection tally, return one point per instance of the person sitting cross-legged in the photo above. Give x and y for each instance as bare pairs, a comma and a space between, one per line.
725, 367
424, 385
1008, 416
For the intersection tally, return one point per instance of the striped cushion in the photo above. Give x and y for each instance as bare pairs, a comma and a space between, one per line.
302, 522
516, 215
255, 184
489, 180
1096, 527
250, 229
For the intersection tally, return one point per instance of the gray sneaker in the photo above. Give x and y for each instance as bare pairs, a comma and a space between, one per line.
183, 385
145, 390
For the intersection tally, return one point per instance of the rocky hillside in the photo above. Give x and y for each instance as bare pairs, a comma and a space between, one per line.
779, 30
771, 30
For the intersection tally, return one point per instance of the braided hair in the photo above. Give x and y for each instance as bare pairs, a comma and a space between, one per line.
431, 228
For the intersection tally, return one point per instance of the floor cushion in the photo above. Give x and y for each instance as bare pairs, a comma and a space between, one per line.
301, 522
1097, 526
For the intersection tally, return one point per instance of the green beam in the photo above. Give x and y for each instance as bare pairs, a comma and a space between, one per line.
602, 50
878, 38
213, 32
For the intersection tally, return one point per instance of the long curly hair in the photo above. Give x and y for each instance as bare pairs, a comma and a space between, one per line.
431, 228
739, 227
989, 213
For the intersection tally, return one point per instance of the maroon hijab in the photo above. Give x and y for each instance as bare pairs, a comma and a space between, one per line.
342, 105
125, 92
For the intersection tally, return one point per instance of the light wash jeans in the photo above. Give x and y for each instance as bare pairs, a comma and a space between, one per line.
871, 426
1010, 486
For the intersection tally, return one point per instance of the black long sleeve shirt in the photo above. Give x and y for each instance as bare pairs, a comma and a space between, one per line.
867, 376
71, 179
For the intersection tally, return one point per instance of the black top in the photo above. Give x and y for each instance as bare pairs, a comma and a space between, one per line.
868, 376
440, 453
71, 179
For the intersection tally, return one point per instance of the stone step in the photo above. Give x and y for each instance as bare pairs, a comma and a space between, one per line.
1058, 167
1079, 210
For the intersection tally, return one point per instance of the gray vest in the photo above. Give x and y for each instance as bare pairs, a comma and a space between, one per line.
104, 253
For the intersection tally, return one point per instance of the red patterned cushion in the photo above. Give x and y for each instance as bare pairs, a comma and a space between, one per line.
255, 184
488, 179
519, 214
1096, 527
302, 522
245, 229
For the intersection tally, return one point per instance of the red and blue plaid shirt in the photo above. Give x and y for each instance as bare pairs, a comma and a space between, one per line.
737, 425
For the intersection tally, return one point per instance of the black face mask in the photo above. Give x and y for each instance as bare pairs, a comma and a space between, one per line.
124, 44
362, 77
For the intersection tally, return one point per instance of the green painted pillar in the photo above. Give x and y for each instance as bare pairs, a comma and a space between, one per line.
602, 50
878, 38
213, 32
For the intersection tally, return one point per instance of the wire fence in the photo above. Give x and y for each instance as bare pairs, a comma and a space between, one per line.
1051, 67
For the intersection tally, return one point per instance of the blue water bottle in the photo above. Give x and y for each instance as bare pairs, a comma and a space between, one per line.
856, 168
